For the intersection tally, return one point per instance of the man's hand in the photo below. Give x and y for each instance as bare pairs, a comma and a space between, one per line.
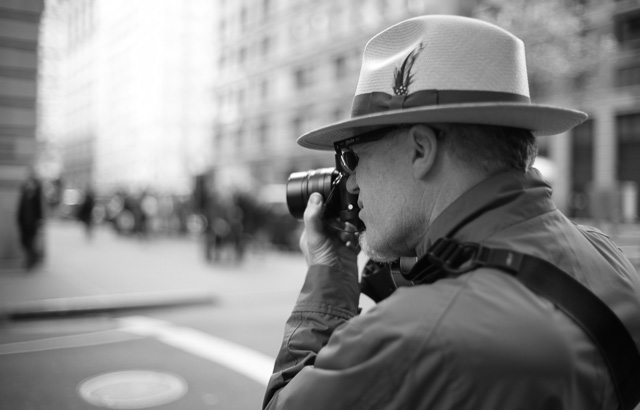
322, 248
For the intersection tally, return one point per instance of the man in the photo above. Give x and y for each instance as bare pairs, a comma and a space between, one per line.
30, 217
85, 212
440, 145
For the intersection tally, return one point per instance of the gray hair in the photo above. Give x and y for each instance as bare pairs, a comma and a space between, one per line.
489, 148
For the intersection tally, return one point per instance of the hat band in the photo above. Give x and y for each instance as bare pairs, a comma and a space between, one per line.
376, 102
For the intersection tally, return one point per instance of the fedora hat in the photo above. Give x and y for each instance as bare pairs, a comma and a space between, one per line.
444, 69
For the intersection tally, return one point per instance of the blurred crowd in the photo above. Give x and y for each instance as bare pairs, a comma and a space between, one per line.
228, 224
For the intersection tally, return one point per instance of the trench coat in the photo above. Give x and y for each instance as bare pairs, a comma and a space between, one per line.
480, 340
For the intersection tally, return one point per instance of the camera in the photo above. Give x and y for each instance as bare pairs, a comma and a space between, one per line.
332, 185
378, 280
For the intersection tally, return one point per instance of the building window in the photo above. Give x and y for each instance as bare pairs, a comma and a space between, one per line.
263, 133
264, 89
628, 131
243, 18
265, 47
383, 7
340, 65
582, 135
223, 29
337, 21
628, 128
302, 121
628, 76
581, 168
628, 30
240, 96
266, 7
304, 77
296, 125
217, 139
240, 139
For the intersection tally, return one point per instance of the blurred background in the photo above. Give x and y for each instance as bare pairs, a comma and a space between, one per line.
163, 109
149, 143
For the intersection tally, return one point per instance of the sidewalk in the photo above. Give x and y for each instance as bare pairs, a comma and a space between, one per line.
114, 273
111, 272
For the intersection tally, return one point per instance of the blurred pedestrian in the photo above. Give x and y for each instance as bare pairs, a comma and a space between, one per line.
236, 238
115, 206
149, 208
30, 218
85, 212
140, 216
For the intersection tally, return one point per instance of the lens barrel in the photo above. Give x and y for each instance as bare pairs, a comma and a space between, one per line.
301, 185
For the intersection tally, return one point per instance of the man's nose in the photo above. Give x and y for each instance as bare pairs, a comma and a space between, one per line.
352, 185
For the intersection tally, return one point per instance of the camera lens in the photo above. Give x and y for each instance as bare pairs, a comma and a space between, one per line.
302, 184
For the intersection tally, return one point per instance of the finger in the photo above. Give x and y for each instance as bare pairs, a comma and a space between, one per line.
313, 212
303, 241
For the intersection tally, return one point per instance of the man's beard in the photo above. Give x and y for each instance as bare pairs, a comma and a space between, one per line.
378, 255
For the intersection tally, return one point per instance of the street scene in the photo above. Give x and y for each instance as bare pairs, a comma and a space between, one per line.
157, 156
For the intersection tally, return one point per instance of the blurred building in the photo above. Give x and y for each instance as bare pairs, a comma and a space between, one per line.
284, 67
599, 162
19, 21
156, 92
136, 81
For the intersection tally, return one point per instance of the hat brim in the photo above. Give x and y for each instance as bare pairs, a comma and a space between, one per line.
541, 120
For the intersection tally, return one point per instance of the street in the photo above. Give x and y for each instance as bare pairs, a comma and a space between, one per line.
125, 322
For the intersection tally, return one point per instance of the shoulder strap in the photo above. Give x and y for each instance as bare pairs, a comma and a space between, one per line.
599, 322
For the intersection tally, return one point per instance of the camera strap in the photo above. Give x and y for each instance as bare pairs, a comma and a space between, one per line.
448, 257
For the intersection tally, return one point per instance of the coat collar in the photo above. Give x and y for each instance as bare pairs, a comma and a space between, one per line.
494, 204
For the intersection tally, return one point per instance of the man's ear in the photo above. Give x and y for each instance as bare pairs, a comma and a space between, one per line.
424, 147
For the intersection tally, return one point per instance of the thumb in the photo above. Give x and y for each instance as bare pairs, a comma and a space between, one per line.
315, 244
313, 212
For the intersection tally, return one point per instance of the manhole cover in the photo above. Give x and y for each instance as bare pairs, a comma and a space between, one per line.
134, 389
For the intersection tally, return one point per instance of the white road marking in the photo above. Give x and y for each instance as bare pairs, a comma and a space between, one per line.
248, 362
65, 342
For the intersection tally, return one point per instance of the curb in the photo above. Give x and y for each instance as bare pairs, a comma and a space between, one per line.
75, 306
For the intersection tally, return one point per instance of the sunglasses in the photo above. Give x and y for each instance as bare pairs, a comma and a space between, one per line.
347, 157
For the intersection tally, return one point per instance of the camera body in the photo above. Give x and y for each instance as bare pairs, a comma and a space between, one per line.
331, 183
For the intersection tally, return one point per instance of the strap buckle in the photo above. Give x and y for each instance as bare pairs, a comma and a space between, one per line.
453, 257
457, 258
448, 257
